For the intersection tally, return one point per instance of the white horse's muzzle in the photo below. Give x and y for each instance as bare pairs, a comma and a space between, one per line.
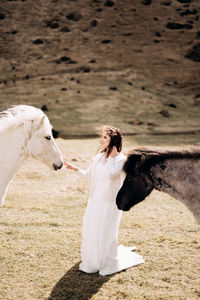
57, 167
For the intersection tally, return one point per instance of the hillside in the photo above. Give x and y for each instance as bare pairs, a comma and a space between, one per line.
135, 64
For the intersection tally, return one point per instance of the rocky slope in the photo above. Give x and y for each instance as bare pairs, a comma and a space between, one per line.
135, 64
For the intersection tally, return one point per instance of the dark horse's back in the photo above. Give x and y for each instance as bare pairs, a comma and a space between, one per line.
179, 177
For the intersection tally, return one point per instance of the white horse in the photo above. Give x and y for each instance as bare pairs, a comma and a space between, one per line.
25, 131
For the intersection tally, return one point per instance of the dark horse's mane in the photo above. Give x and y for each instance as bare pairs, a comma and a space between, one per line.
149, 156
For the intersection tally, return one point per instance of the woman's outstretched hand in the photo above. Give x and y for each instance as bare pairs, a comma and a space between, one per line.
70, 167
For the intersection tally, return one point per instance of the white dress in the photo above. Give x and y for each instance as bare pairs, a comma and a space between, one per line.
100, 251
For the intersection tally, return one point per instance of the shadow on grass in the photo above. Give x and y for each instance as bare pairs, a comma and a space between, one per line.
77, 285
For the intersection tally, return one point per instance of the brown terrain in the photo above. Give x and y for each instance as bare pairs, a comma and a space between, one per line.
135, 64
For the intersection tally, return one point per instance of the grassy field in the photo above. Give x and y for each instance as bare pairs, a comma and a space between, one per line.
41, 236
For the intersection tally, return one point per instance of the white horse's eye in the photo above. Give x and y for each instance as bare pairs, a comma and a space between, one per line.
48, 137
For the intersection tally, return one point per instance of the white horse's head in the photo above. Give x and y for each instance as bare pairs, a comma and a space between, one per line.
25, 131
40, 142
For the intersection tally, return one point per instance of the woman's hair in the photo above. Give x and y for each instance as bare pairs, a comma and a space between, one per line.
115, 138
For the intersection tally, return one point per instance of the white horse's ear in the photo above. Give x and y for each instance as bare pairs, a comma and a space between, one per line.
41, 124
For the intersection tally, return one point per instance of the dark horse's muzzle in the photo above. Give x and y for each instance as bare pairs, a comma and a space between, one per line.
119, 202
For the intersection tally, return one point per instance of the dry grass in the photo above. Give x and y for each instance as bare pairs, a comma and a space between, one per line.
41, 236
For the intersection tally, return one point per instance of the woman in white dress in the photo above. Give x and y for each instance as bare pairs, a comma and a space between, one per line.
100, 251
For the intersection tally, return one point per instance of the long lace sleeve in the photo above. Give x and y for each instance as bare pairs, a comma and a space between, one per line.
85, 173
115, 166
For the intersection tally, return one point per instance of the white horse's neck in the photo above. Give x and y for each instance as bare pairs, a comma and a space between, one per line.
11, 145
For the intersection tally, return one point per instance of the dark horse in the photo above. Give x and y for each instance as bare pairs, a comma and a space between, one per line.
176, 173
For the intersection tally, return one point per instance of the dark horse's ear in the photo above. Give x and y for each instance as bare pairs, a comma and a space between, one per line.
132, 161
138, 159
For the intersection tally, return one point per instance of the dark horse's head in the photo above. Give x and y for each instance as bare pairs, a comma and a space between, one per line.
137, 184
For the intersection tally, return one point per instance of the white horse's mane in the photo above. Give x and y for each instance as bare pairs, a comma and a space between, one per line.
16, 115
